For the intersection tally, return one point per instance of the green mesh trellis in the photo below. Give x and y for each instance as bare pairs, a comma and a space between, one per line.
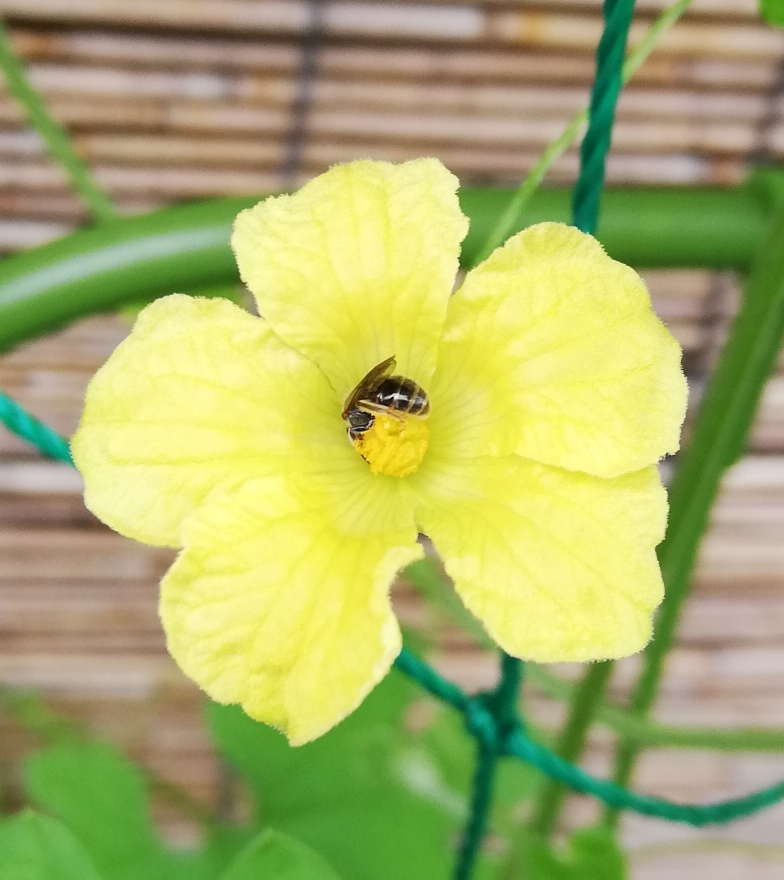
29, 428
491, 718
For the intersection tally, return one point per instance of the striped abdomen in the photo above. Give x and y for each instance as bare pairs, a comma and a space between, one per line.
401, 394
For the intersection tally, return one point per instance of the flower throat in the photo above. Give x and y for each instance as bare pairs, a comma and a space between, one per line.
385, 415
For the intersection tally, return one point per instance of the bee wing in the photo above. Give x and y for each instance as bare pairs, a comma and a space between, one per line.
369, 382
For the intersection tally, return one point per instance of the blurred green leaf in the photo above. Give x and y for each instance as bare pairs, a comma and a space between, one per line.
278, 857
348, 794
591, 854
220, 850
99, 795
445, 742
103, 799
34, 847
596, 853
515, 784
772, 11
345, 759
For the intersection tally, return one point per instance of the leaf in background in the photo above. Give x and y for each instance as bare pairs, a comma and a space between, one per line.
591, 854
278, 857
515, 784
344, 794
103, 799
99, 795
772, 11
596, 853
34, 847
223, 845
344, 759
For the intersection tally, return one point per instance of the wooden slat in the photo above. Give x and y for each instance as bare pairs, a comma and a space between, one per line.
406, 63
333, 91
531, 27
634, 132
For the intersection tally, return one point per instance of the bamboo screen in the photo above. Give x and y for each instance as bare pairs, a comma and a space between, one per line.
177, 99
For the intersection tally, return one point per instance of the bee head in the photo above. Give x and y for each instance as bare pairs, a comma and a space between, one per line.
358, 422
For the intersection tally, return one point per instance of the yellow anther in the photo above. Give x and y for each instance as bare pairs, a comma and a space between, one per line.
393, 445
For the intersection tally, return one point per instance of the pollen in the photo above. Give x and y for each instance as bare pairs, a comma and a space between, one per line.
393, 445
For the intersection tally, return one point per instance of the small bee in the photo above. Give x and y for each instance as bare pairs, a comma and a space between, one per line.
381, 392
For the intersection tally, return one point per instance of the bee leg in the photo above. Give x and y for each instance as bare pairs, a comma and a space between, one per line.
377, 409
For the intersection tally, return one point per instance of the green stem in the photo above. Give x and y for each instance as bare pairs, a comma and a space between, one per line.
707, 846
509, 219
54, 136
718, 439
187, 247
570, 743
645, 732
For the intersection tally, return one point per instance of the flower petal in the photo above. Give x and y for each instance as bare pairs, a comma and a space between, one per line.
280, 600
200, 395
357, 266
559, 566
551, 351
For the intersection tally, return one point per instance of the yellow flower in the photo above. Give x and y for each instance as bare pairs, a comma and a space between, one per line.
553, 391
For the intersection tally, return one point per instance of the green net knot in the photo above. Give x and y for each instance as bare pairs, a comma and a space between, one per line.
488, 722
481, 723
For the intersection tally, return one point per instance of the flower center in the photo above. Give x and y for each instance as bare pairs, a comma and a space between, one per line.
394, 443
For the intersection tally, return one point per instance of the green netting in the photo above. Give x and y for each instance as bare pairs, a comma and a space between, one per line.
29, 428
